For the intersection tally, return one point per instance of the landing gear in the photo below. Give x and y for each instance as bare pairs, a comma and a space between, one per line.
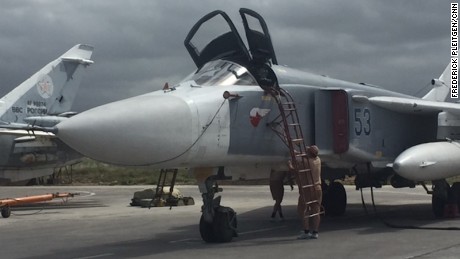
334, 199
437, 206
223, 227
442, 195
217, 223
455, 190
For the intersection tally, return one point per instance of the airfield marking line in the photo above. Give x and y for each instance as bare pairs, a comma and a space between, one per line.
397, 192
95, 256
182, 240
432, 251
260, 230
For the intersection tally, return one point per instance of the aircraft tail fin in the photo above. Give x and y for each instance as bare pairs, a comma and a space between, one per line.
50, 91
441, 87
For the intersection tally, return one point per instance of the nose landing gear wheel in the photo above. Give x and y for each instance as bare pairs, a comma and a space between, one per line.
207, 231
222, 229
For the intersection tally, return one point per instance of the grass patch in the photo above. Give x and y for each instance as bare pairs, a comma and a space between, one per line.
90, 172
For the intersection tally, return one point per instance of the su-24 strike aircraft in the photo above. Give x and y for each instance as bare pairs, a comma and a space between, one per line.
44, 99
223, 121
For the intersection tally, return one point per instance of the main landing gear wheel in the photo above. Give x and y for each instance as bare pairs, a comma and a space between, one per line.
6, 211
437, 206
442, 192
455, 189
443, 196
222, 229
335, 199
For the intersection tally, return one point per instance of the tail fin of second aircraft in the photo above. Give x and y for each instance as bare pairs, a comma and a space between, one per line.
441, 87
50, 91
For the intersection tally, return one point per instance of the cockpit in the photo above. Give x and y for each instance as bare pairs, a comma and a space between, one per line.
223, 72
225, 60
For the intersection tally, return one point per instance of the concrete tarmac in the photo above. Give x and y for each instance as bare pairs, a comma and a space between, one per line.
101, 224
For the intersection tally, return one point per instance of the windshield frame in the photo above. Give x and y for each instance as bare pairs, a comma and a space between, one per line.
223, 72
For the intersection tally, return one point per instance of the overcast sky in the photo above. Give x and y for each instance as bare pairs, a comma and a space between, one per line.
399, 45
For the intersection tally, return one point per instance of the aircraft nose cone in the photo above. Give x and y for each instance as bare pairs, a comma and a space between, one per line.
138, 131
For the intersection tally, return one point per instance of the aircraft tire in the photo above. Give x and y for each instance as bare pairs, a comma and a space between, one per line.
437, 206
224, 224
455, 190
336, 199
6, 211
207, 231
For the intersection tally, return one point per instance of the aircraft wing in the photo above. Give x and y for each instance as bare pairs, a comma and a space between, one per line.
414, 106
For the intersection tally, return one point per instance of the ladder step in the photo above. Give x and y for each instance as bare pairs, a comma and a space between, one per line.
289, 109
301, 155
163, 183
308, 186
313, 215
294, 124
311, 202
297, 140
288, 103
304, 170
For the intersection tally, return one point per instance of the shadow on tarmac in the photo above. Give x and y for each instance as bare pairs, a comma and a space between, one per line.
256, 230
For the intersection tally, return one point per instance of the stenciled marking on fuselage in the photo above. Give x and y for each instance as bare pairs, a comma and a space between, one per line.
16, 109
33, 107
362, 121
36, 107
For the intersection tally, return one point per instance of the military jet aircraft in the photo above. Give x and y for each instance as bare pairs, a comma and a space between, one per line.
225, 121
42, 100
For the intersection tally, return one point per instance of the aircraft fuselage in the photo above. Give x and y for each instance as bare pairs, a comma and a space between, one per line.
192, 125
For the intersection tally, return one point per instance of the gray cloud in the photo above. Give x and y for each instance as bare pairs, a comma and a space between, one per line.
399, 45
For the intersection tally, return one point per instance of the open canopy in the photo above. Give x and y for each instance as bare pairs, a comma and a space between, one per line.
229, 45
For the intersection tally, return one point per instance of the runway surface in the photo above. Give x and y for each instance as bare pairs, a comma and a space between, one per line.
101, 224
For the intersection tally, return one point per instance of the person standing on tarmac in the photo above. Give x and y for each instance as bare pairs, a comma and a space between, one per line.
310, 231
277, 190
